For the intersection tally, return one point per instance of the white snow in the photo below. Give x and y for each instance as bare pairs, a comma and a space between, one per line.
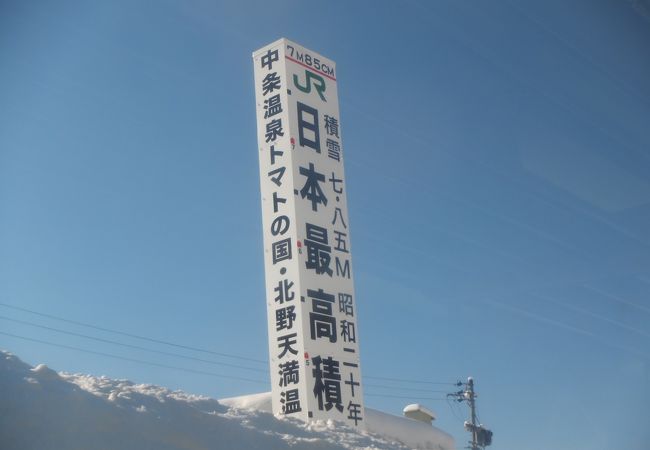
413, 433
42, 409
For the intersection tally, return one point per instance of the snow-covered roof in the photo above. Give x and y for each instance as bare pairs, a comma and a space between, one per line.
70, 411
415, 434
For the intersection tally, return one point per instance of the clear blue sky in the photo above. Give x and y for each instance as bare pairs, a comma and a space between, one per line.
498, 170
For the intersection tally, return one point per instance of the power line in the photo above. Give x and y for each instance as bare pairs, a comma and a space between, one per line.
453, 411
398, 388
380, 386
402, 380
402, 397
140, 361
186, 347
137, 347
200, 372
185, 369
135, 336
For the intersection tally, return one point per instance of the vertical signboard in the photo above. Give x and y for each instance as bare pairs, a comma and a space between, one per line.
312, 315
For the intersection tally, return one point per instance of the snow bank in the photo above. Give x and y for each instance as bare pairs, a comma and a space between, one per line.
411, 432
41, 409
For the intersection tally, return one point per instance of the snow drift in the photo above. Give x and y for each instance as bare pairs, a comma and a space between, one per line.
42, 409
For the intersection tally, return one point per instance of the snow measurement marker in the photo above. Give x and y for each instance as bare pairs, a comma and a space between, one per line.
312, 315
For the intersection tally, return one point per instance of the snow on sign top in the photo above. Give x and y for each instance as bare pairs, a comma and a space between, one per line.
312, 317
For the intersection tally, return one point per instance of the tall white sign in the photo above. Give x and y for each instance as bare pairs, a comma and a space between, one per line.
312, 315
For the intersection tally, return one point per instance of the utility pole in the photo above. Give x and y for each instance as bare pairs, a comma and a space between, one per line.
481, 436
470, 395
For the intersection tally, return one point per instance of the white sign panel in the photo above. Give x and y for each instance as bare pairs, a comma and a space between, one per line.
312, 315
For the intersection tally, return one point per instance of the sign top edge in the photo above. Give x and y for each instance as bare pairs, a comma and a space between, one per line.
275, 43
283, 42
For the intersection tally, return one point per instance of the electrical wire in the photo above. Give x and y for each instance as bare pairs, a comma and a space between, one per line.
398, 388
402, 380
134, 336
453, 411
185, 369
187, 347
139, 361
136, 347
402, 397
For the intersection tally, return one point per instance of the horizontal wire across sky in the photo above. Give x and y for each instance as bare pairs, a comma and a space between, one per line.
417, 392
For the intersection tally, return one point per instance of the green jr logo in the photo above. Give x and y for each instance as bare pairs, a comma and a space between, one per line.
311, 79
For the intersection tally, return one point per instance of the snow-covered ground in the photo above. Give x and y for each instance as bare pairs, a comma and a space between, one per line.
42, 409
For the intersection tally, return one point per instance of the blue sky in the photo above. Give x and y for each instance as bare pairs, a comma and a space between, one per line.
498, 170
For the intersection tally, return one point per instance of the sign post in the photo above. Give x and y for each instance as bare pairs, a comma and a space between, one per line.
312, 315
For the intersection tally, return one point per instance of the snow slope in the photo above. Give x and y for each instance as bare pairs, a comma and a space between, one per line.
42, 409
407, 431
